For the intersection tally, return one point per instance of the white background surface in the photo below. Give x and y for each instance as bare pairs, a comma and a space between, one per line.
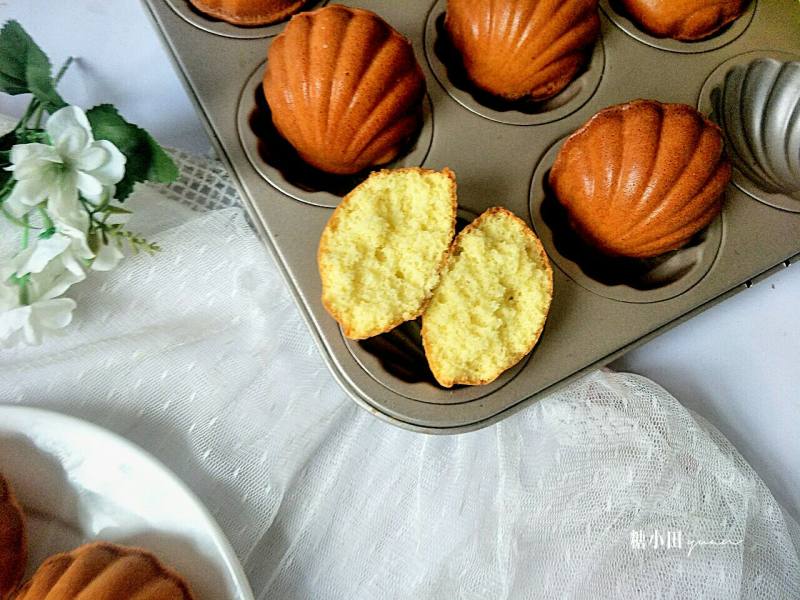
737, 364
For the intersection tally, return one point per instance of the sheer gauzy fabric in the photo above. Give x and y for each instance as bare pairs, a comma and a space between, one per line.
607, 489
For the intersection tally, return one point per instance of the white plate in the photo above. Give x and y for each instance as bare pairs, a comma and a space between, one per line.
78, 482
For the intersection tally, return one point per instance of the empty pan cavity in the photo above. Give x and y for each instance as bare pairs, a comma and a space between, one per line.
755, 98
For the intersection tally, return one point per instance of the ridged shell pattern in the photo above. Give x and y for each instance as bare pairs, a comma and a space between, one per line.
758, 108
344, 89
249, 12
13, 541
523, 48
687, 20
640, 179
102, 571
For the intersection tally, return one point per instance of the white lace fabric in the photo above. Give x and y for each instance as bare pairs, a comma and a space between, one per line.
200, 356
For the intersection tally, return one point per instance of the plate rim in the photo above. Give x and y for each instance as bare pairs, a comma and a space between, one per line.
228, 555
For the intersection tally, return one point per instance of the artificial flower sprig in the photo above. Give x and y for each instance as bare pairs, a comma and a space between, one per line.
62, 181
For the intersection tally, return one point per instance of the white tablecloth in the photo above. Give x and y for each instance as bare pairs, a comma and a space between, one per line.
735, 364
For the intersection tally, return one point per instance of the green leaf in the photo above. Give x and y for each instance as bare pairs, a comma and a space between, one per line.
94, 242
118, 234
147, 161
28, 136
117, 210
25, 68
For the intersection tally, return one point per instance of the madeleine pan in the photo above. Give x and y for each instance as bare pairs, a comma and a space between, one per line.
744, 77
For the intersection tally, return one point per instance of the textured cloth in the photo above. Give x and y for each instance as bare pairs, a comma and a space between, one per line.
198, 354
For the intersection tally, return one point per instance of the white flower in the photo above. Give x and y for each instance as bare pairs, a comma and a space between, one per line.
51, 266
45, 310
29, 322
66, 250
52, 281
74, 163
63, 250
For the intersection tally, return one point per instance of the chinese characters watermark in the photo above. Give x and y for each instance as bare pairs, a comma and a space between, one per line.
674, 540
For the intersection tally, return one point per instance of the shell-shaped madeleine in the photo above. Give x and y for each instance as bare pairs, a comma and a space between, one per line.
758, 109
249, 12
103, 571
13, 541
686, 20
523, 48
344, 89
640, 179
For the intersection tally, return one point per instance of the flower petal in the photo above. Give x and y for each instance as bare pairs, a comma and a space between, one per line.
36, 258
73, 224
32, 153
62, 283
113, 168
6, 271
108, 257
53, 314
93, 157
30, 192
80, 248
36, 169
71, 265
67, 215
54, 280
31, 333
89, 186
62, 198
72, 143
75, 228
15, 207
9, 297
13, 321
66, 119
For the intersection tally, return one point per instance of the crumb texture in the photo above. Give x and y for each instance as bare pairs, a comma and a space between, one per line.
491, 303
382, 250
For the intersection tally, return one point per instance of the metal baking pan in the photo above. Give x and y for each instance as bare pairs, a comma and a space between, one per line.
501, 156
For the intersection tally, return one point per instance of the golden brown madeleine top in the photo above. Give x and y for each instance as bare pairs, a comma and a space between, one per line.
249, 12
102, 571
640, 179
686, 20
13, 541
344, 88
523, 48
